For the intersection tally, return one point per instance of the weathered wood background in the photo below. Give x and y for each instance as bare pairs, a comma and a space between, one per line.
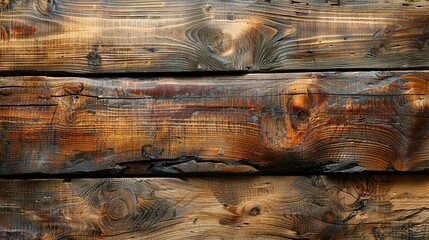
284, 87
94, 36
316, 207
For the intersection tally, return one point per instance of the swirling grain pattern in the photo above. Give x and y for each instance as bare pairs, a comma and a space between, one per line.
269, 207
303, 122
93, 36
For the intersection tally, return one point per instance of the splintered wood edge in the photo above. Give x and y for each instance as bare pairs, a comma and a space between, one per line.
314, 207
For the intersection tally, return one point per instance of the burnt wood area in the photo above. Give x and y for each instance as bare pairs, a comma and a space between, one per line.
214, 119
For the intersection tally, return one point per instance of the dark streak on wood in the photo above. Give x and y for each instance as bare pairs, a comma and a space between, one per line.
306, 122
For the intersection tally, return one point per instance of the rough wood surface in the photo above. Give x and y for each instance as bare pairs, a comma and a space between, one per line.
328, 207
305, 122
94, 36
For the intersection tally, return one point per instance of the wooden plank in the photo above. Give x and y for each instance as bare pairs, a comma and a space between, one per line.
93, 36
303, 122
268, 207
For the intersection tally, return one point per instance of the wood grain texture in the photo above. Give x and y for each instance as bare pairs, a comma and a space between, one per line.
304, 122
93, 36
327, 207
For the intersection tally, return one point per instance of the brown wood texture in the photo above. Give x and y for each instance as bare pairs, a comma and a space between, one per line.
92, 36
304, 122
326, 207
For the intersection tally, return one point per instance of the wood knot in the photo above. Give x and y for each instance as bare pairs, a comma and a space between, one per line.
231, 16
126, 206
73, 88
117, 209
255, 211
222, 44
4, 33
209, 8
329, 216
299, 106
45, 7
376, 51
94, 59
303, 115
5, 4
150, 152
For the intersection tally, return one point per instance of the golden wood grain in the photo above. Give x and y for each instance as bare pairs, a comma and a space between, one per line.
303, 122
269, 207
93, 36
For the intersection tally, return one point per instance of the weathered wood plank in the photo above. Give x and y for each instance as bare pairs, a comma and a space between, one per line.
305, 122
327, 207
93, 36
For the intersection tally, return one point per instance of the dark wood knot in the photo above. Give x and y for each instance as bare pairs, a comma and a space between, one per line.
5, 4
73, 88
329, 216
255, 211
94, 59
231, 16
45, 7
209, 8
4, 33
222, 43
150, 152
303, 115
117, 209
